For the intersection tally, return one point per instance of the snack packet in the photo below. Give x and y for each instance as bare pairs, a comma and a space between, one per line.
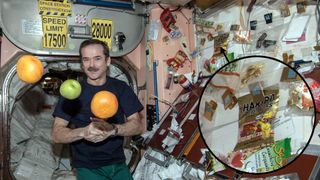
256, 116
269, 158
300, 96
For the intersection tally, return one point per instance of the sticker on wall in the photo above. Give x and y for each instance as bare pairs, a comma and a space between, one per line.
177, 61
185, 47
54, 32
54, 8
102, 29
167, 19
31, 27
80, 19
54, 22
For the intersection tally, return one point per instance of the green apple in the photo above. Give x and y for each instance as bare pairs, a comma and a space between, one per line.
70, 89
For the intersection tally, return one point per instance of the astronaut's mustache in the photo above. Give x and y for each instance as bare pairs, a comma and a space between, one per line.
93, 69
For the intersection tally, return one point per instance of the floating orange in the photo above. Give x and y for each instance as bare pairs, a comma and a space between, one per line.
104, 104
29, 69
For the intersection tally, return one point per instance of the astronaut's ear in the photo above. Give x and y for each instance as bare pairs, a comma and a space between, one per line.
108, 59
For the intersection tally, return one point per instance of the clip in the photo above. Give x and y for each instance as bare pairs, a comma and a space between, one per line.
256, 88
284, 10
301, 7
267, 43
253, 25
260, 40
234, 27
229, 99
209, 109
268, 18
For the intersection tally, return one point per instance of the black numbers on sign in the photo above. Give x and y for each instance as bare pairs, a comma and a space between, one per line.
54, 40
101, 30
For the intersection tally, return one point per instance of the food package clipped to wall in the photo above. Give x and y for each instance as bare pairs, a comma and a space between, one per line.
257, 114
167, 19
315, 89
300, 96
271, 157
313, 80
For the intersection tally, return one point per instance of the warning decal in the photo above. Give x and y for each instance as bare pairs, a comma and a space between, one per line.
54, 32
102, 29
54, 8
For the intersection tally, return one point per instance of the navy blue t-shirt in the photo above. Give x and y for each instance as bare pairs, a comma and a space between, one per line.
110, 151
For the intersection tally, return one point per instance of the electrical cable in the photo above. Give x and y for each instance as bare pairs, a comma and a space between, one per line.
318, 21
248, 30
148, 66
247, 27
115, 10
176, 9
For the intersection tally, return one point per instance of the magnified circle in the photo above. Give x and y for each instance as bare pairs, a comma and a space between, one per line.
257, 114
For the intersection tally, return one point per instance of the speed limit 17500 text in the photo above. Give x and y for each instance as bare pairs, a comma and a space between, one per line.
55, 40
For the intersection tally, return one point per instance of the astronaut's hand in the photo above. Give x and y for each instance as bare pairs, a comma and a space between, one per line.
91, 133
101, 124
98, 130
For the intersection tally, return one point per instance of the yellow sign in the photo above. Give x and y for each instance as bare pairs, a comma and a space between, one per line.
54, 32
102, 29
54, 8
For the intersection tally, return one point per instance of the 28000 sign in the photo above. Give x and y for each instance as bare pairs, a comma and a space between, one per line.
101, 30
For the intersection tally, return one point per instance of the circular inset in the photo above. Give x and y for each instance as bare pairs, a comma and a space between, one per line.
257, 116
